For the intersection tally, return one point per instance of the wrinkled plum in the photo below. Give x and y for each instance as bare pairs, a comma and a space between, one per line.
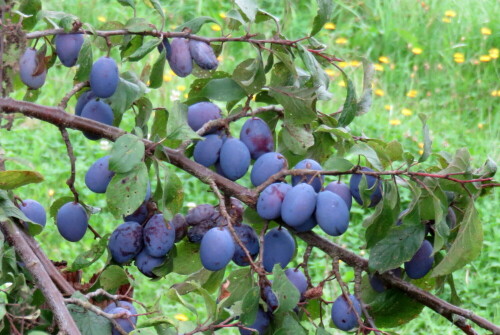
97, 111
180, 59
206, 152
159, 236
83, 99
250, 239
260, 324
257, 136
98, 175
421, 263
298, 205
378, 285
234, 159
298, 279
267, 165
181, 227
146, 263
202, 112
104, 77
199, 214
332, 213
279, 248
72, 221
68, 47
123, 304
308, 225
343, 316
126, 242
271, 199
311, 164
32, 74
34, 211
217, 249
203, 55
342, 190
373, 183
126, 322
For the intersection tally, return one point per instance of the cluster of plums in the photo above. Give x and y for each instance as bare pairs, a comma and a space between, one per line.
129, 318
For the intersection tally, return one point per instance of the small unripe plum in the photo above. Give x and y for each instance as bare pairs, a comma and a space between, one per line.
250, 240
343, 316
126, 242
104, 77
126, 322
32, 73
207, 151
146, 263
271, 199
179, 59
332, 213
217, 249
421, 262
298, 279
72, 221
298, 205
202, 112
100, 112
203, 55
310, 164
373, 183
68, 47
260, 324
159, 236
99, 175
34, 211
267, 165
83, 99
125, 305
257, 136
342, 190
234, 159
279, 248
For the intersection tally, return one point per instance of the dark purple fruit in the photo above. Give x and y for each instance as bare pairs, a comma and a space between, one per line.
279, 248
139, 215
342, 190
206, 152
98, 175
234, 159
421, 262
179, 59
199, 214
146, 263
97, 111
159, 236
126, 242
343, 316
203, 55
451, 218
270, 298
378, 285
257, 136
306, 226
217, 249
181, 227
202, 112
72, 221
104, 77
260, 324
165, 44
298, 205
298, 279
32, 74
311, 164
123, 304
374, 184
332, 213
250, 239
267, 165
34, 211
68, 47
271, 199
83, 99
125, 322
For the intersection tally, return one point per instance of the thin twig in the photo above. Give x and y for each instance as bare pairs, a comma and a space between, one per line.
79, 86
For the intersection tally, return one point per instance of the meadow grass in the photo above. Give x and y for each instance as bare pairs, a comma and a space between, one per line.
430, 58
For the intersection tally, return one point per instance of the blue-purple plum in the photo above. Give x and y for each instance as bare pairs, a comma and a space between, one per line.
34, 211
298, 205
257, 136
378, 285
234, 159
83, 99
139, 215
332, 213
126, 322
267, 165
126, 242
99, 175
342, 190
207, 151
72, 221
180, 226
279, 248
343, 316
159, 236
104, 77
202, 112
200, 213
123, 304
165, 44
373, 183
180, 59
32, 74
97, 111
68, 47
261, 324
217, 249
250, 240
311, 164
271, 199
451, 218
270, 298
421, 263
308, 225
146, 263
298, 279
203, 55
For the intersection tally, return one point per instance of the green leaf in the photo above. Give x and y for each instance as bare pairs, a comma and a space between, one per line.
58, 203
84, 62
337, 164
157, 6
195, 24
290, 326
319, 77
350, 104
321, 331
325, 9
145, 109
129, 89
172, 294
297, 138
126, 191
248, 7
177, 126
126, 154
224, 89
91, 256
250, 75
145, 49
130, 3
113, 277
187, 258
427, 138
173, 192
250, 305
239, 282
467, 245
138, 25
9, 210
367, 151
159, 127
30, 7
156, 76
12, 179
287, 294
88, 322
365, 102
297, 102
68, 22
116, 40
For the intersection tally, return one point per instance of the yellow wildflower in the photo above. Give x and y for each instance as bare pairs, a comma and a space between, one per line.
388, 107
186, 95
394, 122
330, 72
494, 53
412, 93
220, 58
421, 145
51, 192
450, 13
495, 93
329, 26
181, 317
181, 87
485, 58
167, 77
480, 125
101, 19
342, 64
342, 83
341, 40
378, 67
406, 112
355, 63
446, 19
384, 59
215, 27
417, 51
458, 57
485, 31
222, 15
379, 92
420, 152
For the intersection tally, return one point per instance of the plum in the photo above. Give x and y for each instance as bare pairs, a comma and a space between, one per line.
310, 164
207, 151
202, 112
378, 285
332, 213
98, 175
34, 211
72, 221
279, 248
343, 316
257, 136
421, 263
267, 165
159, 236
203, 55
298, 205
298, 279
146, 263
179, 58
104, 77
271, 199
374, 184
97, 111
308, 225
68, 47
32, 73
234, 159
126, 322
342, 190
126, 242
139, 215
250, 239
217, 249
123, 304
261, 323
83, 99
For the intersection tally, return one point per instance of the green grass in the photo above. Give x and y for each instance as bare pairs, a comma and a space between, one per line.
457, 97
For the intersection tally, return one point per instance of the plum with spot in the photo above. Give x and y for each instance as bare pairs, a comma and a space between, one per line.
298, 205
206, 152
311, 164
261, 323
179, 58
217, 249
180, 226
82, 101
72, 221
68, 47
104, 77
33, 211
126, 242
250, 240
373, 183
378, 285
342, 190
343, 316
279, 248
267, 165
126, 321
234, 159
32, 73
308, 225
271, 199
99, 175
421, 263
100, 112
332, 213
199, 214
298, 279
202, 112
146, 263
257, 136
159, 236
125, 305
203, 55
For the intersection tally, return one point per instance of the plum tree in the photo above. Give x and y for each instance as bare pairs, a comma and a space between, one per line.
234, 159
68, 47
311, 164
343, 315
267, 165
32, 70
373, 184
72, 221
279, 248
98, 175
202, 112
104, 77
250, 239
179, 58
421, 263
257, 136
298, 205
34, 211
159, 236
99, 111
126, 242
271, 199
332, 213
217, 249
203, 55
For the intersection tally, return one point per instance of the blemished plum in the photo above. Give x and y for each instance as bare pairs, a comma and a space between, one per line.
146, 263
32, 75
206, 152
181, 227
257, 136
200, 213
378, 285
126, 322
234, 159
202, 112
311, 164
279, 248
298, 205
126, 242
260, 324
97, 111
271, 199
217, 249
99, 175
332, 213
421, 262
203, 55
123, 304
68, 47
373, 183
342, 190
180, 59
34, 211
308, 225
298, 279
250, 239
104, 77
139, 215
267, 165
72, 221
159, 236
343, 316
83, 99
